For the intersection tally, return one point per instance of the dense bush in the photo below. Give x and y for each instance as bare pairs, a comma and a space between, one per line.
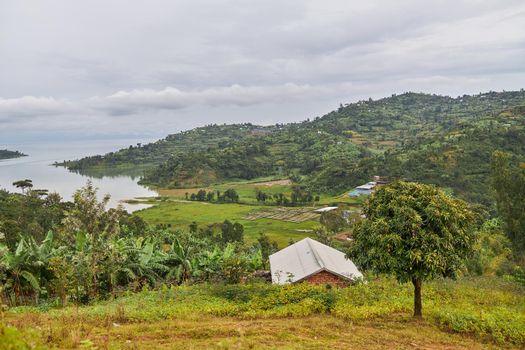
92, 253
13, 339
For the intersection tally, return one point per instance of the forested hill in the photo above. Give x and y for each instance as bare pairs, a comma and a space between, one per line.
6, 154
421, 137
148, 156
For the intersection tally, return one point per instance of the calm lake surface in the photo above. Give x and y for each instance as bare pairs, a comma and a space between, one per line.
37, 167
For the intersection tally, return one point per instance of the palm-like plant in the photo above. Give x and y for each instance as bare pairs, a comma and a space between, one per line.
147, 263
39, 255
180, 261
18, 268
80, 257
208, 264
116, 262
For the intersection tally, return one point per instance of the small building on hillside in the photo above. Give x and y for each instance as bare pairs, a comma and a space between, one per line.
369, 187
363, 190
314, 262
325, 209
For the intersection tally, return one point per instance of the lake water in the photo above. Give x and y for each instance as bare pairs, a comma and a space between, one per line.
37, 167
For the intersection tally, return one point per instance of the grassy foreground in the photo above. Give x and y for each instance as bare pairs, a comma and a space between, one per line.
473, 313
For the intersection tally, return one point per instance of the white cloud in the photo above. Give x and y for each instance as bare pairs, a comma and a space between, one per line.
31, 106
172, 98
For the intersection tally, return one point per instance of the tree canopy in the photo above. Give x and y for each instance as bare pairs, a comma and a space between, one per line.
508, 182
415, 232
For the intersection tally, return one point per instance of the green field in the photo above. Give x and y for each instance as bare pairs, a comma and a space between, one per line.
470, 313
247, 189
182, 214
176, 211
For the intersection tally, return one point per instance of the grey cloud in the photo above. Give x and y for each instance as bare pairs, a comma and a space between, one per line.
177, 62
169, 98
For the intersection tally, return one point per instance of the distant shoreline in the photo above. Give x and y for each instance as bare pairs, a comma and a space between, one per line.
7, 154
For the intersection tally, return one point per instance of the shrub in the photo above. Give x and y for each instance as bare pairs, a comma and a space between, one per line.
13, 339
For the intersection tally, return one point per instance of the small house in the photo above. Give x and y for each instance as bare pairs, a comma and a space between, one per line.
363, 190
314, 262
369, 187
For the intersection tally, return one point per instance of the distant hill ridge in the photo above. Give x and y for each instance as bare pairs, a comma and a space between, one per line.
7, 154
423, 137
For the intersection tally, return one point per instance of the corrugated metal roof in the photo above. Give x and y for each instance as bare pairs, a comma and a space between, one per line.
325, 209
307, 257
365, 187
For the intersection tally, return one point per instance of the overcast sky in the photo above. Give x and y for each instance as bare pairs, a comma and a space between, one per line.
152, 67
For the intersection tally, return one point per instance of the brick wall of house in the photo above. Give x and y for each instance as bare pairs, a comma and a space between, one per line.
325, 277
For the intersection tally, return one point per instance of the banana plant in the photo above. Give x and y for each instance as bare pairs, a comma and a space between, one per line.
147, 263
18, 269
180, 261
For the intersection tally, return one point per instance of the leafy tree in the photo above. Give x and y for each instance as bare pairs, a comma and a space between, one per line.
62, 283
89, 216
261, 196
509, 187
231, 195
201, 195
23, 184
232, 232
415, 232
492, 251
323, 235
335, 220
266, 247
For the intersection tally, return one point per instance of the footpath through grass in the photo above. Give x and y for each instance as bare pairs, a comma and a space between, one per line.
472, 313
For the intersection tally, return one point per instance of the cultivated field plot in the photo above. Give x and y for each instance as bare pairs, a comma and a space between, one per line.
284, 214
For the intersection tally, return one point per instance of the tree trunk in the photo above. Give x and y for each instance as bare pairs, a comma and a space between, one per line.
417, 297
17, 289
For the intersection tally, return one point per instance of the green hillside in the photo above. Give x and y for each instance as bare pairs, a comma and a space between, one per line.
459, 159
428, 138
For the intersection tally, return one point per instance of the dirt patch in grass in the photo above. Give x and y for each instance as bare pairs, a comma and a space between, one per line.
284, 182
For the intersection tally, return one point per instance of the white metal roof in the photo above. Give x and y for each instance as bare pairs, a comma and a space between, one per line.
307, 257
325, 209
365, 187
